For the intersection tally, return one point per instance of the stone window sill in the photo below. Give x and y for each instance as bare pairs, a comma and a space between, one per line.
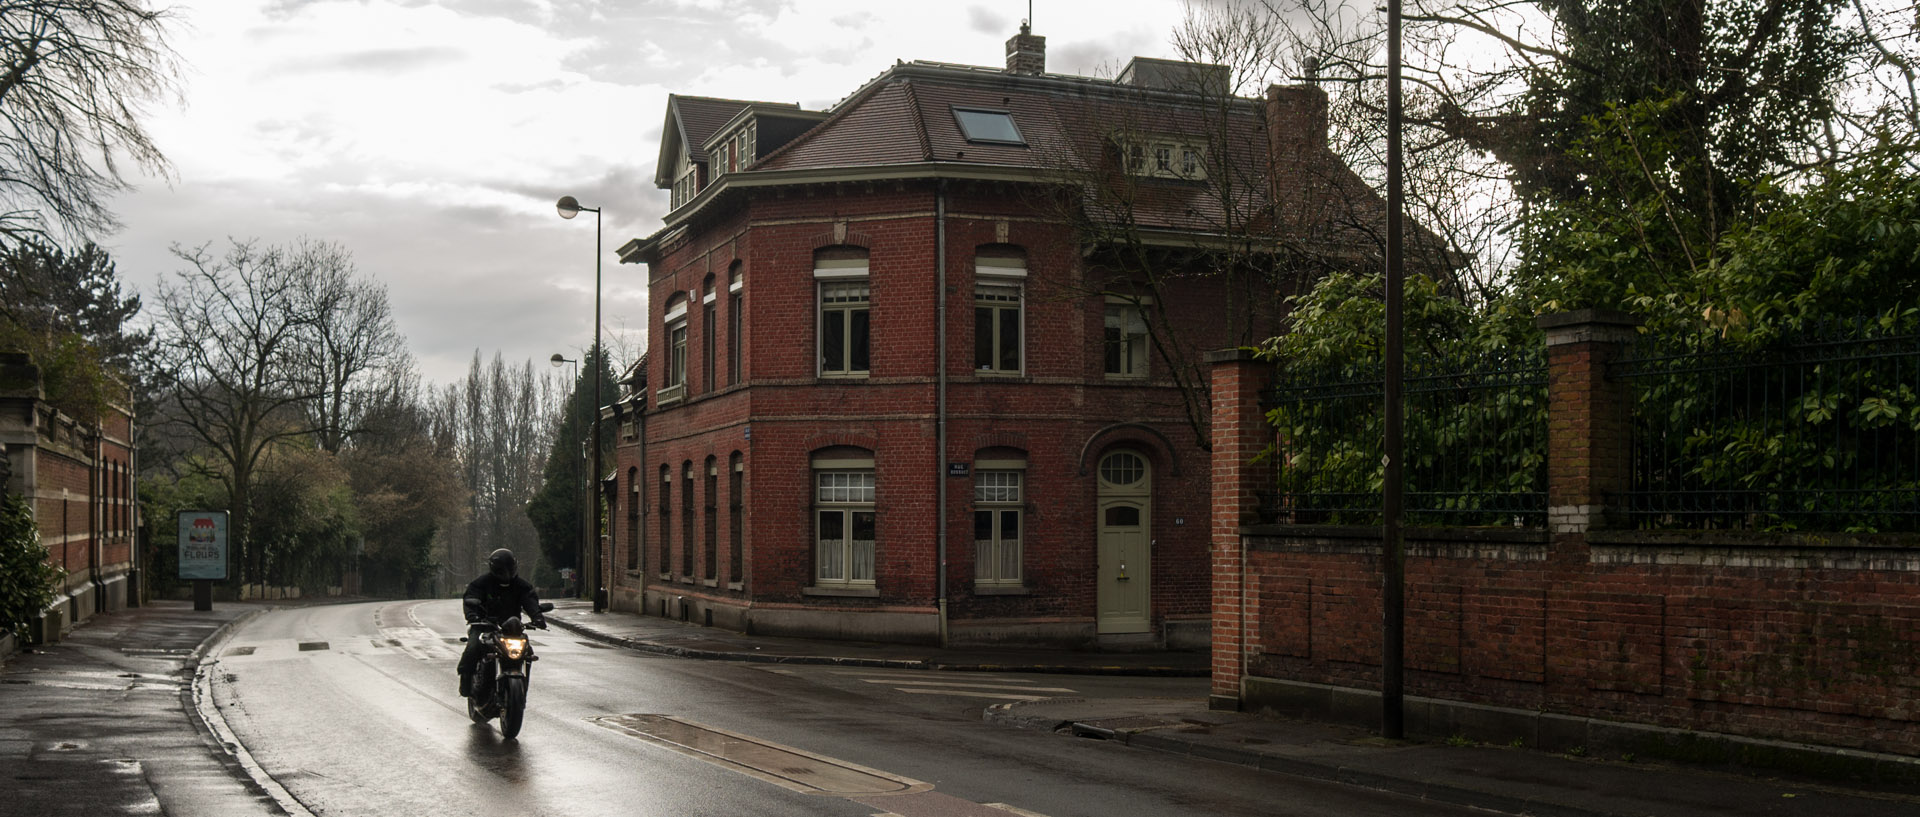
842, 592
1001, 590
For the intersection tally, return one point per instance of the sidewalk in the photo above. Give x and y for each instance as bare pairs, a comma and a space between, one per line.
1501, 779
104, 721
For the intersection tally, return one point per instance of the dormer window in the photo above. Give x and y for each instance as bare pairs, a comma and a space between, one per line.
982, 125
1165, 158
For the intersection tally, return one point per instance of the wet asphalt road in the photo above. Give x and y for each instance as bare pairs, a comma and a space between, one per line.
352, 709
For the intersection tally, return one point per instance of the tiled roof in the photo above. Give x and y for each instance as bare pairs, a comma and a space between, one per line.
700, 116
1073, 127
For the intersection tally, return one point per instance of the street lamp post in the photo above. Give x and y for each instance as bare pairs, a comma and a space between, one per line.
580, 548
570, 207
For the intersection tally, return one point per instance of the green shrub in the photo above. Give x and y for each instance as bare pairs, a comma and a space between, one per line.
27, 579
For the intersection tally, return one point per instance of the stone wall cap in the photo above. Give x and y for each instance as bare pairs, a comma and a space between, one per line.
1602, 317
1237, 355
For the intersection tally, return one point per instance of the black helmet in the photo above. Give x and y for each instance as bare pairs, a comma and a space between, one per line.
501, 564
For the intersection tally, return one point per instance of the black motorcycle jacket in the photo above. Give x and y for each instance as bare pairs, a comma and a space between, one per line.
490, 599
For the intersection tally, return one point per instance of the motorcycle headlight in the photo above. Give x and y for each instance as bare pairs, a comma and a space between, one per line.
514, 647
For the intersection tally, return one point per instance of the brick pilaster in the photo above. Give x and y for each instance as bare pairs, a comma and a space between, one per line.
1240, 432
1588, 420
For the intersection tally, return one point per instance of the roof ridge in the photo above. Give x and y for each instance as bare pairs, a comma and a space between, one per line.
699, 98
919, 122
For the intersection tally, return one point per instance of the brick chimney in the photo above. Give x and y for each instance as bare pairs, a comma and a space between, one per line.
1296, 120
1026, 53
1297, 141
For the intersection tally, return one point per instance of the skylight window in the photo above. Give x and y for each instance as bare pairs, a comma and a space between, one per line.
989, 126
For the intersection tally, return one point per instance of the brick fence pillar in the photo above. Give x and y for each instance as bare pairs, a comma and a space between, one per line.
1240, 432
1589, 416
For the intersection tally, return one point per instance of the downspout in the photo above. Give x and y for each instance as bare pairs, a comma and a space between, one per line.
940, 394
136, 594
95, 511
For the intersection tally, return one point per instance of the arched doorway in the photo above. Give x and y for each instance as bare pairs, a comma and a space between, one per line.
1124, 549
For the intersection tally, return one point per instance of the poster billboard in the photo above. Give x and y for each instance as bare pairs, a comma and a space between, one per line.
203, 545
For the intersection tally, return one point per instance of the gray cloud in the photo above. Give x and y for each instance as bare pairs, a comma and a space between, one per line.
986, 21
379, 60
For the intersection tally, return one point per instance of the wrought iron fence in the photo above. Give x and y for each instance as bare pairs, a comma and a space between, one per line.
1475, 442
1817, 432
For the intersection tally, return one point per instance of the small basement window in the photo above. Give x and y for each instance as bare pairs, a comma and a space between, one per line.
990, 126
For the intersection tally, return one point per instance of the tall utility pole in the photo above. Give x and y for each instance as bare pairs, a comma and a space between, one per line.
1393, 553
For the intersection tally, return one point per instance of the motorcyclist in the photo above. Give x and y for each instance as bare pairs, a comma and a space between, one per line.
493, 597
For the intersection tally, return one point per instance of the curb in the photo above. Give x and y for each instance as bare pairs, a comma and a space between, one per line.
877, 663
197, 698
1007, 715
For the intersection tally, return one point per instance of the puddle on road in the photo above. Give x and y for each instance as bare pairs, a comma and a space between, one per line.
783, 766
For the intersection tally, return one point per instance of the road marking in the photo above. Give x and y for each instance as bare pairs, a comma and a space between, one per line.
964, 694
419, 642
793, 769
965, 685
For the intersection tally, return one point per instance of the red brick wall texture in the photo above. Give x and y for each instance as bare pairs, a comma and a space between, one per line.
1061, 414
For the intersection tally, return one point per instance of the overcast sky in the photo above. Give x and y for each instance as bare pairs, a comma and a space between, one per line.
432, 138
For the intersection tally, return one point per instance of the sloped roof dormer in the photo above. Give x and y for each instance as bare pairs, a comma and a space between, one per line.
691, 122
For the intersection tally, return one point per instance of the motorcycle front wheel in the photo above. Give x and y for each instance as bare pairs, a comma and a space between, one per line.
513, 704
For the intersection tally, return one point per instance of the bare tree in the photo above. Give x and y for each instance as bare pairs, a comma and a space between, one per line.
232, 331
355, 341
76, 77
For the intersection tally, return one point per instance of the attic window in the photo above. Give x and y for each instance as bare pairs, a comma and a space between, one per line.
988, 126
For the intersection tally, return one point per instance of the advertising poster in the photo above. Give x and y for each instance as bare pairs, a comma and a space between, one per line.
203, 545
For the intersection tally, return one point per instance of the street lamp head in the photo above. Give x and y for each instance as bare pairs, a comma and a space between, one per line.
569, 207
558, 359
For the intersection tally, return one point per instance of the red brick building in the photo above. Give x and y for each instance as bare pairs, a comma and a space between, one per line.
901, 383
78, 477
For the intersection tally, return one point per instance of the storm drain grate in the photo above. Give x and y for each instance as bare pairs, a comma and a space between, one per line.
312, 645
240, 651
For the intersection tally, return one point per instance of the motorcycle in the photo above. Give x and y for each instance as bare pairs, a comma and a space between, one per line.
500, 679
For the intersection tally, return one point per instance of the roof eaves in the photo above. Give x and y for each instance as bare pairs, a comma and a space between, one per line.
751, 179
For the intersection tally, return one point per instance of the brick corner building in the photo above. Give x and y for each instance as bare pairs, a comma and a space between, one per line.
926, 366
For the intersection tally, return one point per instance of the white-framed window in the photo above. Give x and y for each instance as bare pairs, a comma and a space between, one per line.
845, 523
736, 322
845, 299
998, 522
686, 180
1126, 338
1165, 158
999, 327
676, 328
743, 146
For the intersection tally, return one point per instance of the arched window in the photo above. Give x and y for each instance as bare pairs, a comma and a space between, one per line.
708, 334
633, 519
845, 523
840, 273
999, 511
736, 505
675, 319
666, 519
736, 320
1000, 273
686, 519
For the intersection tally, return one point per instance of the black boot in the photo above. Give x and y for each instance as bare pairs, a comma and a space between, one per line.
466, 685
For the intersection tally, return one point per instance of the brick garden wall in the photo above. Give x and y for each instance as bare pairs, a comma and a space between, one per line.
1810, 638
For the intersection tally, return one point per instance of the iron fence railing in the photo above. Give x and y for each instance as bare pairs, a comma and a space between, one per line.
1817, 432
1475, 442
